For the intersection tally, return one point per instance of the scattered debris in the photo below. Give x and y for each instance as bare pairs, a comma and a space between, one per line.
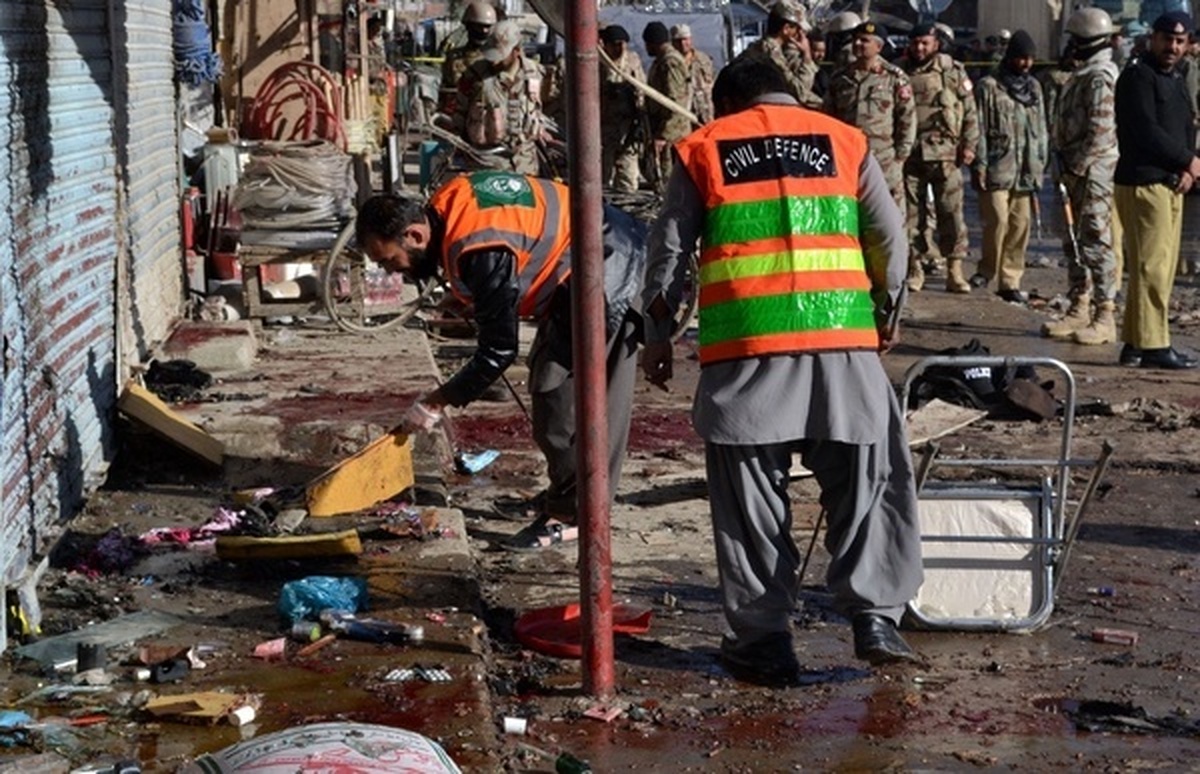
304, 599
470, 464
205, 707
603, 714
327, 544
271, 650
381, 470
59, 653
145, 407
1115, 636
359, 747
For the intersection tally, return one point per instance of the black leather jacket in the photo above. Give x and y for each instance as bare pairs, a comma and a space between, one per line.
490, 276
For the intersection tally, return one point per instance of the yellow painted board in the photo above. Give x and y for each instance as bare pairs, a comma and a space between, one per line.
344, 543
381, 470
203, 705
140, 404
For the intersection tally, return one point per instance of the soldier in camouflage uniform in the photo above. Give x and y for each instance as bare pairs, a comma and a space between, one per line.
947, 136
700, 65
1085, 139
786, 25
499, 100
839, 38
621, 112
478, 18
875, 96
670, 75
1008, 170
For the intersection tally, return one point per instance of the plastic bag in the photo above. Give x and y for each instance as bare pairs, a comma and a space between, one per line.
304, 599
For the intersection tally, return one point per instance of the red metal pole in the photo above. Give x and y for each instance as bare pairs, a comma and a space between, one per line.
587, 310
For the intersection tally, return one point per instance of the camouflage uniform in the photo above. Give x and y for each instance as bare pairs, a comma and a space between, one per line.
947, 132
554, 98
879, 101
620, 123
670, 75
453, 66
703, 76
1013, 149
799, 77
502, 108
1052, 82
1085, 138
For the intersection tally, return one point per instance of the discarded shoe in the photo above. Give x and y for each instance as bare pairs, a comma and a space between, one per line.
1013, 296
544, 532
1167, 359
519, 508
1131, 356
877, 642
770, 661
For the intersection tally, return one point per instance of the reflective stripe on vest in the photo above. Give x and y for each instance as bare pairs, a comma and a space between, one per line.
781, 265
524, 215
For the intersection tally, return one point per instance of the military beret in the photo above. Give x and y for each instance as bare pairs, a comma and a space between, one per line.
614, 33
655, 33
923, 29
1173, 23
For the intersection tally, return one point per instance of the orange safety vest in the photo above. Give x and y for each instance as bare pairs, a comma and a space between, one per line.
781, 266
527, 216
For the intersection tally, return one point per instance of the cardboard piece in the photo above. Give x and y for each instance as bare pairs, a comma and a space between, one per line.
145, 407
199, 707
381, 470
344, 543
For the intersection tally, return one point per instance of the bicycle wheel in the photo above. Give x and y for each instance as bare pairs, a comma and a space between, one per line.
360, 295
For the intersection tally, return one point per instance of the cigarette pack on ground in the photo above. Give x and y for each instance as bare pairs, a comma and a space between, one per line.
1115, 636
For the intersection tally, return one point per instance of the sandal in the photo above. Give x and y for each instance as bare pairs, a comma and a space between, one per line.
518, 508
542, 534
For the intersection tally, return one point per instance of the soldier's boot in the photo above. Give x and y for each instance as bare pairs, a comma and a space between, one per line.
1103, 327
916, 276
955, 281
1078, 317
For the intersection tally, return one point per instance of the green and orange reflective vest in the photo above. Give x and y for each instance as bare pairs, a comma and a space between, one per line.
781, 266
528, 216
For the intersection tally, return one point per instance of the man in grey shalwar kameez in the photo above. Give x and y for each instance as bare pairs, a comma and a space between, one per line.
835, 407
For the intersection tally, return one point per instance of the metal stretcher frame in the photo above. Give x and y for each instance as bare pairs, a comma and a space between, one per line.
1050, 533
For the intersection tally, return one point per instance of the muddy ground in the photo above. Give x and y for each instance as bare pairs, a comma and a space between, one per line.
1032, 701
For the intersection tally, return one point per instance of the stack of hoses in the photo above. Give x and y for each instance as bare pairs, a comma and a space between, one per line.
195, 61
309, 187
298, 101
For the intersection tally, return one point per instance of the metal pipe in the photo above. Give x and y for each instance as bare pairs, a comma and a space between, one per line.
587, 322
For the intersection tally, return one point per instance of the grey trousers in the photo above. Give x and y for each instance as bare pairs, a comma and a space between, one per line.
552, 386
873, 536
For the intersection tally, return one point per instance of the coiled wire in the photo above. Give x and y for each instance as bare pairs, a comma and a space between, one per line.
289, 186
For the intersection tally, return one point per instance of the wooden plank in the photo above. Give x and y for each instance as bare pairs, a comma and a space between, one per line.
145, 407
381, 470
938, 418
344, 543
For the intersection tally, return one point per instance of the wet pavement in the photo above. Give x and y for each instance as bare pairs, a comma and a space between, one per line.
985, 700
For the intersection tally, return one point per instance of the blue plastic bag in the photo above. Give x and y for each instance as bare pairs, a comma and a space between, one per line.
304, 599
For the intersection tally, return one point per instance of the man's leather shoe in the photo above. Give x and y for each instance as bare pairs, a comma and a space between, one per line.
769, 661
877, 642
1167, 359
1131, 356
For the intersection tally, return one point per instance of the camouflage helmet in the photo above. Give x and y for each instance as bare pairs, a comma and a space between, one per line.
845, 21
788, 12
479, 12
1089, 23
